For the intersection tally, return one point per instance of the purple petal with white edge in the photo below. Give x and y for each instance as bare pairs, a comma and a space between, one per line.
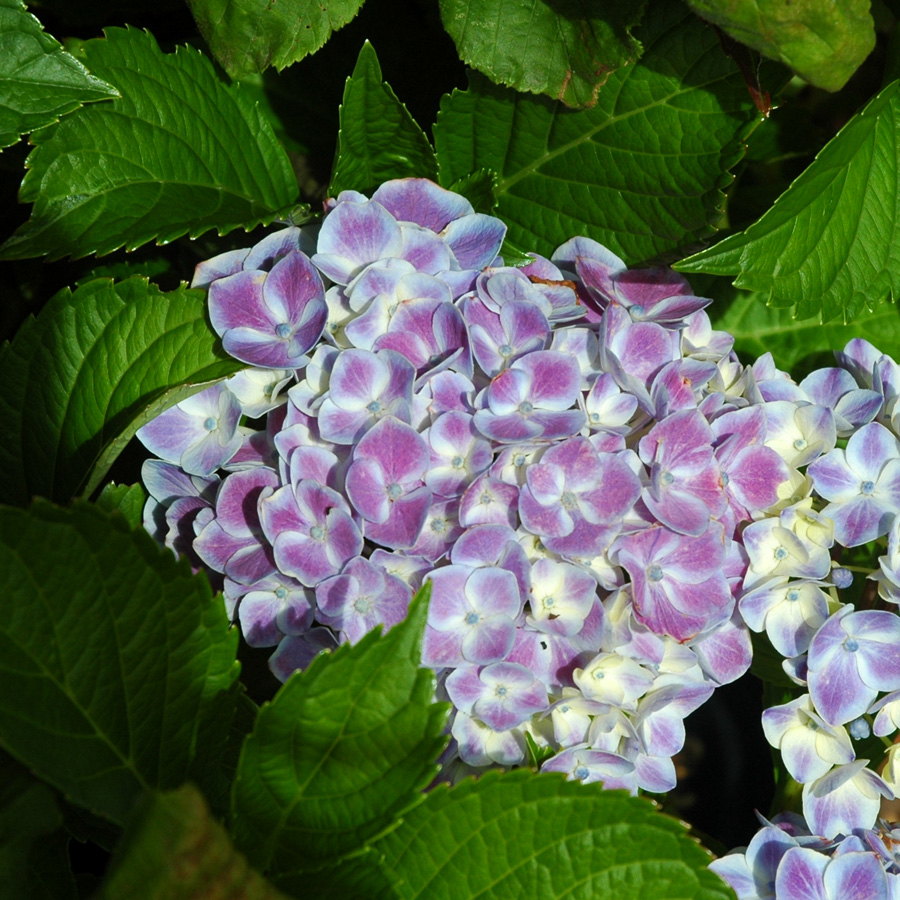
508, 429
494, 592
425, 250
869, 449
405, 521
221, 266
845, 799
258, 612
421, 201
833, 478
297, 652
475, 239
734, 870
837, 690
441, 649
358, 376
725, 654
265, 253
489, 501
826, 386
800, 875
513, 696
464, 687
449, 601
354, 235
291, 286
367, 489
490, 641
508, 390
555, 379
856, 876
399, 448
237, 302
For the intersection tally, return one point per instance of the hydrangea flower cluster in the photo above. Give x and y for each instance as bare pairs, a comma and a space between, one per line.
604, 499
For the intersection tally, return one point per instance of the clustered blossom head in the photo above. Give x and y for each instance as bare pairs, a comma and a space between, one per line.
604, 499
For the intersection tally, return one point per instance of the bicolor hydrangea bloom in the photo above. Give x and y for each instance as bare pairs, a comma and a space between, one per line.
604, 499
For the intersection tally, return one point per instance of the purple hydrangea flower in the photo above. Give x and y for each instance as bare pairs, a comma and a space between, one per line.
862, 484
852, 657
199, 434
270, 319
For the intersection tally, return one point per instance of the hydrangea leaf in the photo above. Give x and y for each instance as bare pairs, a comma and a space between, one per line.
178, 153
566, 51
378, 140
111, 651
822, 43
127, 499
95, 365
340, 753
248, 36
759, 329
32, 857
479, 189
39, 81
525, 834
830, 246
176, 850
642, 171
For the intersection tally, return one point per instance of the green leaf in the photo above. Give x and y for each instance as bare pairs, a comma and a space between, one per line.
830, 246
524, 834
642, 171
248, 36
175, 850
127, 499
759, 329
341, 752
96, 364
39, 81
178, 153
30, 852
823, 43
565, 50
480, 189
379, 139
110, 651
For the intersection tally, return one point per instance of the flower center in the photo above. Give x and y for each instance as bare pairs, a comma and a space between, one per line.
210, 424
362, 604
568, 500
486, 498
851, 645
780, 553
638, 311
793, 595
283, 330
526, 407
725, 479
281, 593
504, 350
472, 618
374, 407
549, 601
457, 462
655, 573
438, 526
666, 478
582, 772
800, 444
867, 487
317, 532
394, 491
501, 691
